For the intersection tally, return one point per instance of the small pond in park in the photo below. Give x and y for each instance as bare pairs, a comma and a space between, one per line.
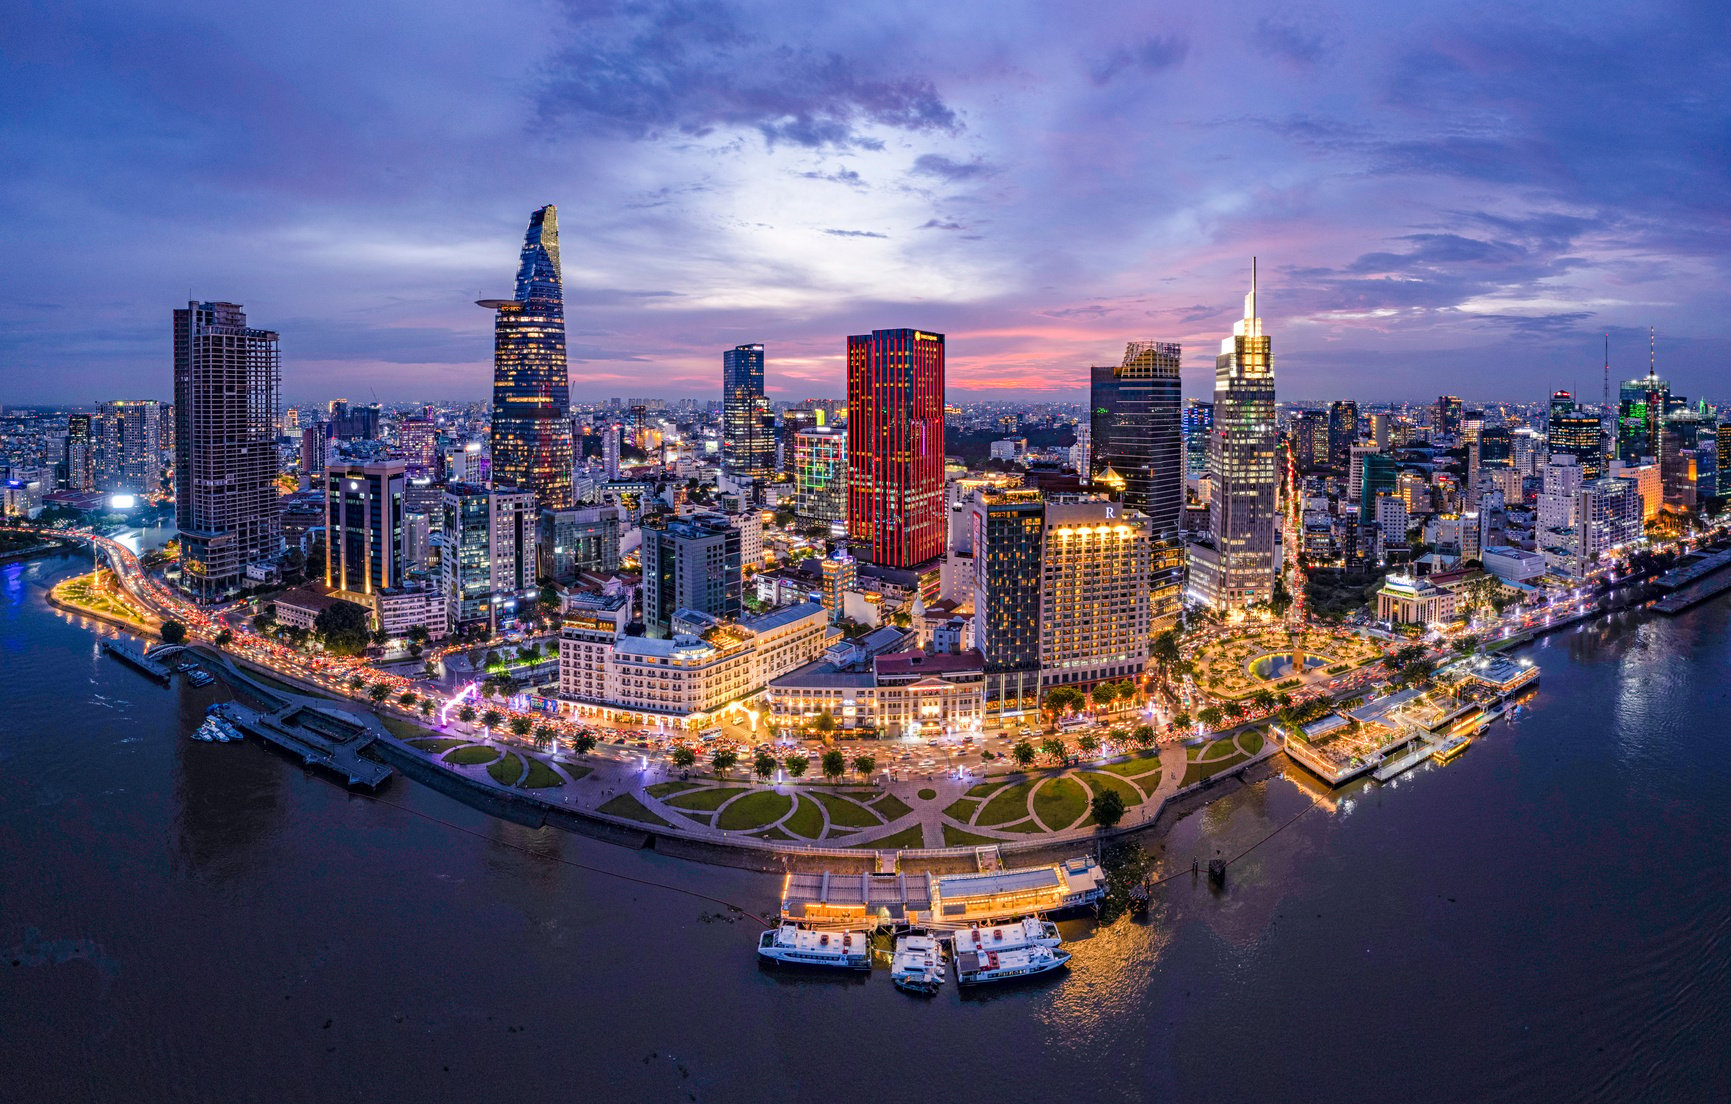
1273, 668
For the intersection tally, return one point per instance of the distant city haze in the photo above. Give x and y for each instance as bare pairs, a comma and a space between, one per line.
1434, 195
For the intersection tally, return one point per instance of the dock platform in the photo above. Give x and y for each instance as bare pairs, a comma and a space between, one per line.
124, 651
1679, 600
317, 737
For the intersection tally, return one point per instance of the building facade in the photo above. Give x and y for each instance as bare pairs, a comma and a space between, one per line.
128, 455
487, 553
227, 387
364, 516
895, 446
820, 474
690, 563
747, 426
1094, 593
1139, 452
532, 446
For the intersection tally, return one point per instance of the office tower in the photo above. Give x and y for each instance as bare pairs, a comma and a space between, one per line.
895, 445
129, 446
1139, 454
418, 440
1309, 433
1446, 416
1496, 445
1008, 535
1236, 568
1342, 432
610, 450
314, 448
1574, 431
747, 426
1723, 458
80, 453
820, 474
1355, 470
689, 563
364, 525
1641, 407
840, 575
1377, 475
1095, 590
1689, 458
227, 381
1382, 431
1414, 491
531, 393
638, 417
487, 558
1198, 421
578, 540
357, 423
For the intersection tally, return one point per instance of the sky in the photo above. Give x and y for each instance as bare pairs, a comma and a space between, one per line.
1442, 197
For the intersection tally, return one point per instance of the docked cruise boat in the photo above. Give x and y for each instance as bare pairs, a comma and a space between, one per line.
918, 966
1029, 932
984, 967
797, 946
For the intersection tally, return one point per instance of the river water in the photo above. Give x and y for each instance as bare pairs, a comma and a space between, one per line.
1548, 918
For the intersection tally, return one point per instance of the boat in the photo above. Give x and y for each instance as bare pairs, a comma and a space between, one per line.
797, 946
1028, 932
985, 967
204, 733
226, 728
200, 678
917, 966
1450, 748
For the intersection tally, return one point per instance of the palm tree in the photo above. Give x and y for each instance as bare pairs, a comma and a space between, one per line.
356, 682
865, 764
764, 765
490, 719
379, 692
466, 714
543, 737
834, 765
796, 764
1023, 753
723, 760
426, 707
584, 743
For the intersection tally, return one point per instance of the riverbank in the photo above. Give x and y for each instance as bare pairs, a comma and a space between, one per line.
86, 596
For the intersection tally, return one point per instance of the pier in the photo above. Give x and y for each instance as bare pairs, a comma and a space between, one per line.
318, 737
126, 652
1679, 600
939, 901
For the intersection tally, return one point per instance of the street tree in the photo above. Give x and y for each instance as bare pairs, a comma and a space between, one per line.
724, 759
763, 766
521, 726
342, 627
683, 757
796, 764
173, 632
864, 764
1023, 753
1107, 807
834, 765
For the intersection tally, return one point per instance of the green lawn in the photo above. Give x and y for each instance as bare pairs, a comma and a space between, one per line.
706, 799
956, 837
844, 813
773, 834
1027, 827
508, 770
472, 755
984, 789
1223, 748
1060, 803
807, 819
1252, 742
907, 837
755, 810
1198, 771
576, 770
540, 775
662, 789
891, 807
1102, 782
437, 745
962, 809
1133, 768
1011, 803
632, 809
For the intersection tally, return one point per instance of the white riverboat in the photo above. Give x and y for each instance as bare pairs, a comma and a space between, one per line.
797, 946
918, 966
984, 967
1029, 932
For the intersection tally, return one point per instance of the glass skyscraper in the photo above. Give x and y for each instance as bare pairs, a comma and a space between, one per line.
895, 445
747, 431
1138, 444
531, 389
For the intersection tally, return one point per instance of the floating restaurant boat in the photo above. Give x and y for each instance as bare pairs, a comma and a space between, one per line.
797, 946
985, 967
940, 900
1450, 748
917, 967
1029, 932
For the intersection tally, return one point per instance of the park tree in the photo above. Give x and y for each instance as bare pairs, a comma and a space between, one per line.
521, 726
1089, 743
724, 759
173, 632
342, 627
683, 757
378, 692
1107, 807
1053, 748
834, 765
763, 766
491, 718
584, 743
1023, 753
466, 714
796, 764
1210, 716
1235, 709
223, 638
865, 764
1143, 735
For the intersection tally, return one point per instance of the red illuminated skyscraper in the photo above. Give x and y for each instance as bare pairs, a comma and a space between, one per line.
895, 446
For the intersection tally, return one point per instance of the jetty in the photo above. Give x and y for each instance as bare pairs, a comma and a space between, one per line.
134, 656
318, 737
940, 902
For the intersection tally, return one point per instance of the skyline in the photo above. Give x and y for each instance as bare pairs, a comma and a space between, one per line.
1441, 193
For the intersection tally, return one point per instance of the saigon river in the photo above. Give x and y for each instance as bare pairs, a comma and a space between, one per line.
1548, 918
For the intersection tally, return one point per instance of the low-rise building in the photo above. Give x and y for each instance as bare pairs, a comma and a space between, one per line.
1406, 600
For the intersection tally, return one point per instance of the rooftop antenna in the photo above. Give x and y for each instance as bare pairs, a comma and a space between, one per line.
1652, 353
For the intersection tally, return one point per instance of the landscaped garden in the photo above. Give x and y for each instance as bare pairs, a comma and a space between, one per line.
1235, 665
